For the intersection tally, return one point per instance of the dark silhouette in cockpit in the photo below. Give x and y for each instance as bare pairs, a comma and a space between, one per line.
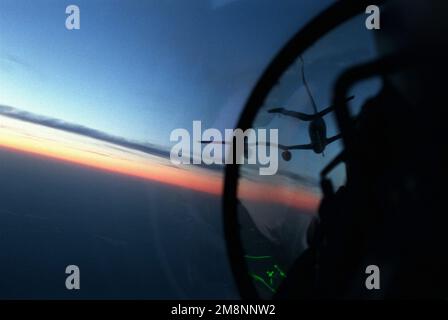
391, 211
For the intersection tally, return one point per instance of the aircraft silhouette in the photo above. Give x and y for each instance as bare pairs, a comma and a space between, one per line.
317, 129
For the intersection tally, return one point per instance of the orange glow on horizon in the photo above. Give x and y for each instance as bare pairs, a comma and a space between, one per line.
69, 147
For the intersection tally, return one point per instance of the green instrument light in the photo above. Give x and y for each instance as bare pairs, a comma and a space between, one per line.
269, 277
257, 257
261, 280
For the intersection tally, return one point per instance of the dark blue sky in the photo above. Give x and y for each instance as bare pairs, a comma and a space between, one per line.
139, 69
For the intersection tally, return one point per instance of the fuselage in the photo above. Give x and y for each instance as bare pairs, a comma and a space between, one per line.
318, 135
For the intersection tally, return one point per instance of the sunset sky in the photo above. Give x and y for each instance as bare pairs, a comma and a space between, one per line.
43, 141
137, 70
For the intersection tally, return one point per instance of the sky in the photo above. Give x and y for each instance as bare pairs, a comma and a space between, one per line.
136, 70
139, 69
